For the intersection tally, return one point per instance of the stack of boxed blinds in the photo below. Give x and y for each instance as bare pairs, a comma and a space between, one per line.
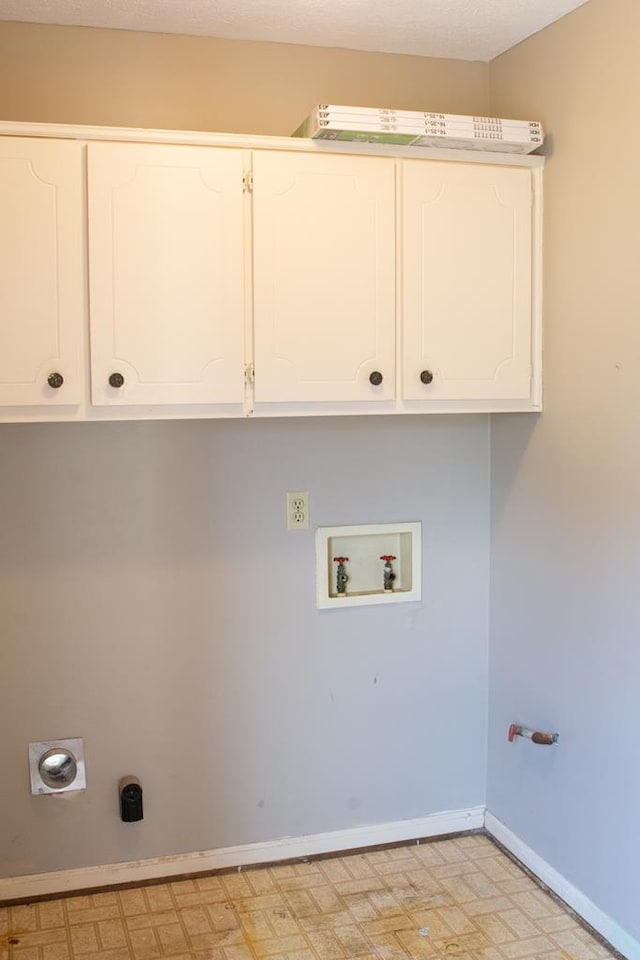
371, 125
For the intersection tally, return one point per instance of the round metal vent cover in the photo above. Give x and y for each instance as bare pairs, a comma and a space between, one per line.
57, 766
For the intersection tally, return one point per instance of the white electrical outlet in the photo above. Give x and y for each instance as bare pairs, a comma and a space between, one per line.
298, 510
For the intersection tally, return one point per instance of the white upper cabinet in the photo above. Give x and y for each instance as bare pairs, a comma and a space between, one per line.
467, 281
324, 277
167, 284
165, 275
41, 272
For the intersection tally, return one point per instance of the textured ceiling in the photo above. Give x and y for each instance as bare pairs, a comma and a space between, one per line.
459, 29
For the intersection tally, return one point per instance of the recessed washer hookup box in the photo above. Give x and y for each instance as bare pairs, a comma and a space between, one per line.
368, 563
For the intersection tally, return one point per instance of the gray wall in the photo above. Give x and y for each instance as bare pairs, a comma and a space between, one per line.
565, 649
58, 75
154, 603
152, 600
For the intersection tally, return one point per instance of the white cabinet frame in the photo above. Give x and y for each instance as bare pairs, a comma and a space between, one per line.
400, 402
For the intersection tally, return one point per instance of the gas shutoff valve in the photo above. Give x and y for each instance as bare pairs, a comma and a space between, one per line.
387, 572
130, 790
341, 575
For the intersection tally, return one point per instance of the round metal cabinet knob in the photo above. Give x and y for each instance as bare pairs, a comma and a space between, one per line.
55, 380
426, 376
375, 378
116, 380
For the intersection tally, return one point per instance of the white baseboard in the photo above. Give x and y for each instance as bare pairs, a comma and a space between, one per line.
137, 871
577, 900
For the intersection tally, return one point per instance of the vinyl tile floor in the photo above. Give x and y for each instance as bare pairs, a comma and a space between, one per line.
453, 898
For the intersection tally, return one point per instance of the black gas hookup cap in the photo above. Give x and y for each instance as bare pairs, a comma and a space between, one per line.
130, 799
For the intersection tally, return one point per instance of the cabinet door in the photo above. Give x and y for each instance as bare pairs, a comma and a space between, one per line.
41, 271
466, 281
166, 243
324, 277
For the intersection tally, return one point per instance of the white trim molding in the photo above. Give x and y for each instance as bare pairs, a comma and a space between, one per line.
578, 901
250, 854
65, 131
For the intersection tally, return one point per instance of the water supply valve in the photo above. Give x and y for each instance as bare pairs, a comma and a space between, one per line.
388, 576
342, 576
536, 736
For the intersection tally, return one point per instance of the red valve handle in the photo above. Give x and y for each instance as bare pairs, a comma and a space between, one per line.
387, 557
513, 732
341, 559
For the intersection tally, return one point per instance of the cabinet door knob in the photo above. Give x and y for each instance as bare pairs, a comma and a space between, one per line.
55, 380
116, 380
426, 376
375, 378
